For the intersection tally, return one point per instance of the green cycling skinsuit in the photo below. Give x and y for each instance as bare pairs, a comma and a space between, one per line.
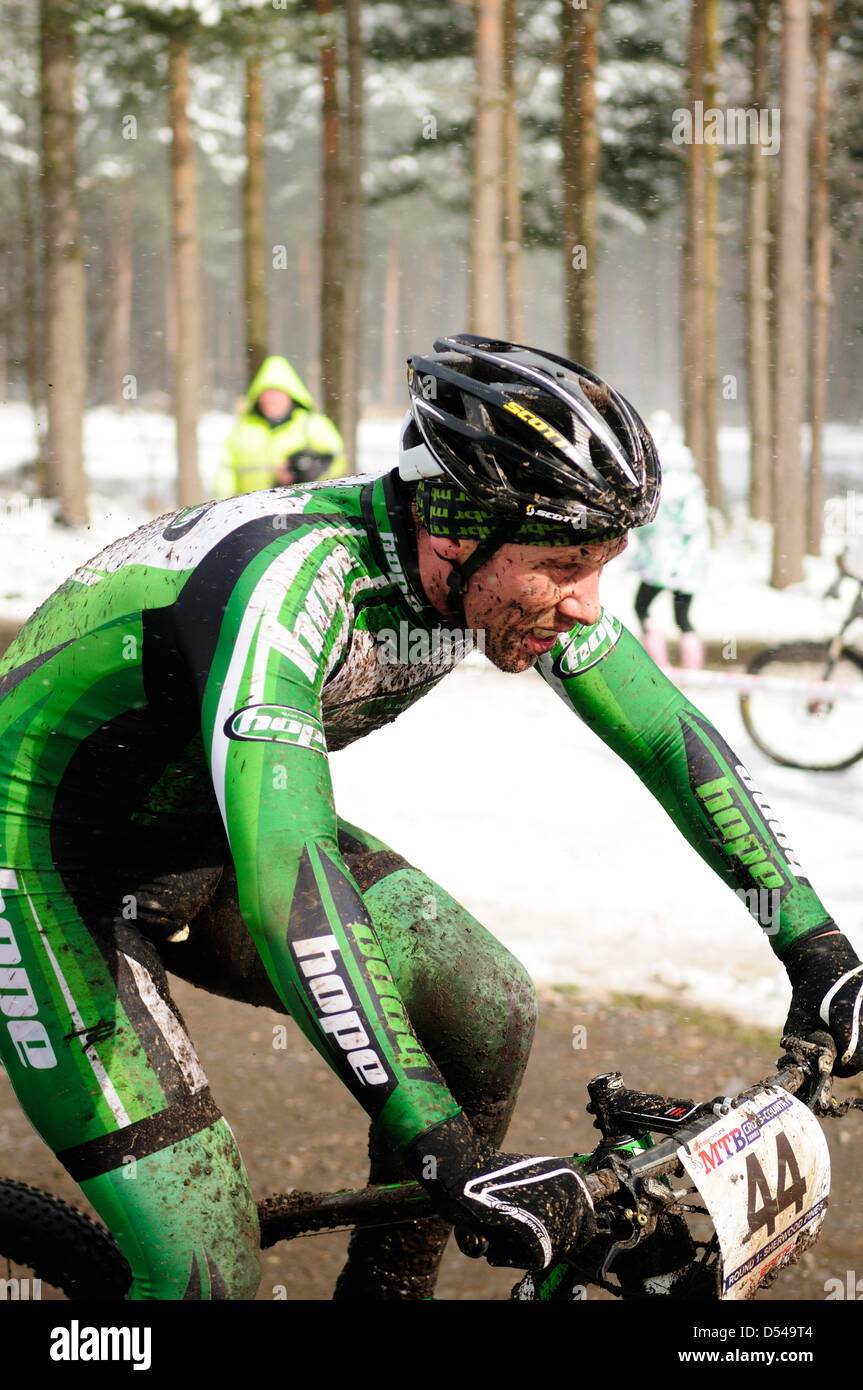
165, 720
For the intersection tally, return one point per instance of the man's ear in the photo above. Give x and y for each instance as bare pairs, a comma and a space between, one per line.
445, 547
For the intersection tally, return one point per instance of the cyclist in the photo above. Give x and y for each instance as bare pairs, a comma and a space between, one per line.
165, 719
281, 438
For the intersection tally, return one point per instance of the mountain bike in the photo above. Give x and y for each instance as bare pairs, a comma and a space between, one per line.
694, 1200
804, 710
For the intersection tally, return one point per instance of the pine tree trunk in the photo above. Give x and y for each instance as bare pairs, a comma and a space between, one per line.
821, 277
254, 222
7, 315
694, 254
223, 376
354, 238
758, 299
332, 230
119, 334
65, 290
513, 258
170, 353
307, 274
712, 482
186, 366
580, 131
486, 251
34, 364
789, 533
390, 352
570, 222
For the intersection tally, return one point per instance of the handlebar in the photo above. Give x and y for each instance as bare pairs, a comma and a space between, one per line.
602, 1185
630, 1180
805, 1070
806, 1067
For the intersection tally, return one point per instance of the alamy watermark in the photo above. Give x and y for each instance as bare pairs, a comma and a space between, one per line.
735, 126
415, 646
83, 1343
764, 904
16, 1290
850, 1287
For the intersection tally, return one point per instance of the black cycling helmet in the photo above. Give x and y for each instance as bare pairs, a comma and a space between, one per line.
530, 438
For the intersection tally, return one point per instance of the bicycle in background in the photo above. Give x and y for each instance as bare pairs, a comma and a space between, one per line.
804, 709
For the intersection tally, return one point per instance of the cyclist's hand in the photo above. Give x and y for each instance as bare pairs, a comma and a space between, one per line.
827, 982
529, 1210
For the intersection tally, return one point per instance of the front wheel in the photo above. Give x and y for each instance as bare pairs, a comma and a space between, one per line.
801, 727
50, 1249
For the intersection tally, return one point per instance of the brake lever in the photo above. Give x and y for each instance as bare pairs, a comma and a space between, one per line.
617, 1179
817, 1052
823, 1102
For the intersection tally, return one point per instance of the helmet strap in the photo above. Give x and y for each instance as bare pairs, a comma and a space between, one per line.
460, 575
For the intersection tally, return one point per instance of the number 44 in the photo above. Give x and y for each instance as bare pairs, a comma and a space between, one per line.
762, 1207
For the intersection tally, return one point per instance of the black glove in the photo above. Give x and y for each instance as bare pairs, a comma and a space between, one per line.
827, 989
530, 1210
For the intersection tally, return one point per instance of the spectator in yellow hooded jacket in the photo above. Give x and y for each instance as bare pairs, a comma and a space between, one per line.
281, 439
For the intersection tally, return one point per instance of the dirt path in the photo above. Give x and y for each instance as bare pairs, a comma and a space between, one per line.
298, 1127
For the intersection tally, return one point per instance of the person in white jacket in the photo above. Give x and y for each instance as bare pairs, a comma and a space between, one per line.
672, 551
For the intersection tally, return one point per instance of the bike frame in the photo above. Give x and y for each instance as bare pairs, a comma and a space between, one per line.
627, 1173
643, 1238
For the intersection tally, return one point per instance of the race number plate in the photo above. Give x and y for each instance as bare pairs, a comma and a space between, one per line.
763, 1171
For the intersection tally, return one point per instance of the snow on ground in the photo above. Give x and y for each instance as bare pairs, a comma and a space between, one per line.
556, 847
561, 852
131, 466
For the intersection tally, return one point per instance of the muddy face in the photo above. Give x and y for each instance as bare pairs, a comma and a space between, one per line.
526, 595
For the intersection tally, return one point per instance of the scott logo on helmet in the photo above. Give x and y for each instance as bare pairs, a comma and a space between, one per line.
548, 431
579, 521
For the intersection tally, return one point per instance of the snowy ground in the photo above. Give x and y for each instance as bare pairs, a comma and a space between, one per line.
569, 860
555, 859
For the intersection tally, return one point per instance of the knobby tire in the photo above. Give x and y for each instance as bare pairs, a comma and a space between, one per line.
61, 1245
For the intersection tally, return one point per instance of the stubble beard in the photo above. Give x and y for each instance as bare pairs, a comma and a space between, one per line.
504, 632
506, 649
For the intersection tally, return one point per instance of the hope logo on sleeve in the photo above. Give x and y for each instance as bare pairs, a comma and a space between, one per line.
277, 724
579, 650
